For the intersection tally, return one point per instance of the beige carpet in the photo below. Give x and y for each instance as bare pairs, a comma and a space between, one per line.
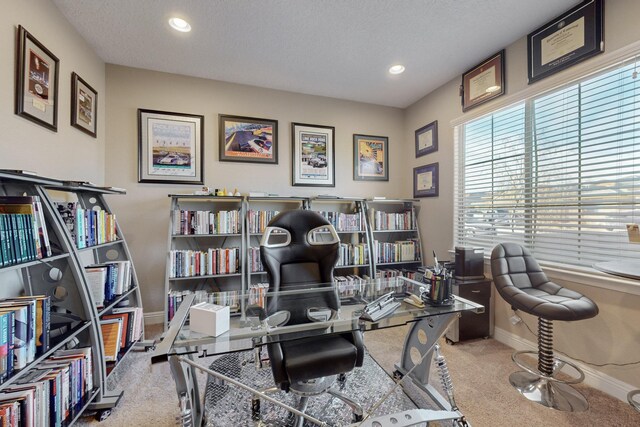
480, 371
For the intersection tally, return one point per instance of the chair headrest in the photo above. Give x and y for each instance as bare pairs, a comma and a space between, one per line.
298, 224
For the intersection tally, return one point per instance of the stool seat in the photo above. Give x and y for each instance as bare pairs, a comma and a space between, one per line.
522, 283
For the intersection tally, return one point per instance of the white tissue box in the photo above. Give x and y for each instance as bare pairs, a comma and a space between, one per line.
209, 319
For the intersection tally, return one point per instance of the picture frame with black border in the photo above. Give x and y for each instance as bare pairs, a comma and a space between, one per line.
312, 155
37, 70
247, 139
84, 106
426, 180
483, 82
572, 37
170, 147
427, 139
370, 158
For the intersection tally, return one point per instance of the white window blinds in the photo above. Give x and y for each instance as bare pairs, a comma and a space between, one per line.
559, 173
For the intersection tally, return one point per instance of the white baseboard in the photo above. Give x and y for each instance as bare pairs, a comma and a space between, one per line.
154, 318
592, 377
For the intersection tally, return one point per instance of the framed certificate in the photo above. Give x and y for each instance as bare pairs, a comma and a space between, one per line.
571, 38
483, 82
425, 181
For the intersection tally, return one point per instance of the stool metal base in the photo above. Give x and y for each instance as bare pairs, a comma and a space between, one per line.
549, 393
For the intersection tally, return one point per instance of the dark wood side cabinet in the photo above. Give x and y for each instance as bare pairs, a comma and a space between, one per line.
470, 325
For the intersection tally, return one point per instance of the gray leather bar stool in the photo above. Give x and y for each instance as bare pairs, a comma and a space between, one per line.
522, 283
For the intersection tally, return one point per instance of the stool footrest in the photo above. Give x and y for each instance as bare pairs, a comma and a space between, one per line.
559, 363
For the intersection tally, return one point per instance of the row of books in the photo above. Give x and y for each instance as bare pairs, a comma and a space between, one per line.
392, 272
206, 222
188, 263
258, 220
344, 221
350, 285
107, 281
399, 251
392, 221
23, 230
48, 395
87, 227
230, 298
255, 262
120, 329
25, 324
353, 254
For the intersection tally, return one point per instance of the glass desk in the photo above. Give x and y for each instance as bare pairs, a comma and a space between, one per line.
248, 331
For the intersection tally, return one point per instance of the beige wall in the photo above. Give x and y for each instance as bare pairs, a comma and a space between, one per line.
68, 153
610, 337
144, 212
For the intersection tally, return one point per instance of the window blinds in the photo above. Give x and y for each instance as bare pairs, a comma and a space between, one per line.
558, 173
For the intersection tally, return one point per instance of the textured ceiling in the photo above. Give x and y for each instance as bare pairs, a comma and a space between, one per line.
334, 48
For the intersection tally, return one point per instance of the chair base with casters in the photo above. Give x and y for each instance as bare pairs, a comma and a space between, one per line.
522, 283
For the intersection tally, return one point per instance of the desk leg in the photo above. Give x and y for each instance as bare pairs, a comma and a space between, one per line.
417, 354
187, 388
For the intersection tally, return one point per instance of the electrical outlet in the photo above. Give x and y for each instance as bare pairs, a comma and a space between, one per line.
515, 319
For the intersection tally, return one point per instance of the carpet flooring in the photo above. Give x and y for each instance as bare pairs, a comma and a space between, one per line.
480, 371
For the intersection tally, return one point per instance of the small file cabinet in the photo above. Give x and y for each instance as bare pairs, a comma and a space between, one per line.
470, 325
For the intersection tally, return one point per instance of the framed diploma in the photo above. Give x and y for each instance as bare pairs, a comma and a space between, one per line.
425, 181
571, 38
427, 139
483, 82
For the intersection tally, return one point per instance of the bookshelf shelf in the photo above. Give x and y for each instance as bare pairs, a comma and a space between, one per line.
33, 263
116, 301
101, 246
191, 236
62, 341
208, 276
112, 366
80, 408
413, 230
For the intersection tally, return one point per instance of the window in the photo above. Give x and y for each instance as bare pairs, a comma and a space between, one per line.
558, 173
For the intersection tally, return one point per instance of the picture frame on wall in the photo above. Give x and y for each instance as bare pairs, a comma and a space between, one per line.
484, 82
570, 38
170, 147
426, 181
370, 158
312, 154
247, 139
84, 106
427, 139
36, 81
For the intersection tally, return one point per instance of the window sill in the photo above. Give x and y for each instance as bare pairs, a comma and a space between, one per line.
587, 276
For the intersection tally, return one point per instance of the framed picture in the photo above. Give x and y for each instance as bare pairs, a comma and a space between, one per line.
171, 147
427, 139
483, 82
247, 139
84, 105
425, 180
312, 155
370, 158
570, 38
36, 81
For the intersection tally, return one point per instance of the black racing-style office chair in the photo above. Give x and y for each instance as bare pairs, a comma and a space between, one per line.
522, 283
307, 366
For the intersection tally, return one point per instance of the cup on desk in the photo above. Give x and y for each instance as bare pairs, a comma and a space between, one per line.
440, 292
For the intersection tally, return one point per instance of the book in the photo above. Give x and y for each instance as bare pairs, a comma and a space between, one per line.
111, 331
97, 281
6, 352
20, 334
125, 326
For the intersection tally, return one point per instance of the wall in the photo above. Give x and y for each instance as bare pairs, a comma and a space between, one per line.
610, 337
68, 153
144, 212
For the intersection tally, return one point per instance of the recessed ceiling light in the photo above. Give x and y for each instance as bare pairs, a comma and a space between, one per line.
396, 69
180, 25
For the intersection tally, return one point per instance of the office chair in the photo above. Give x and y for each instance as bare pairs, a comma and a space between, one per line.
307, 366
522, 283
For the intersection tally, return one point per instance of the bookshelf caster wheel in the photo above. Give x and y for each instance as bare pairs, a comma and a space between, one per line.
397, 375
103, 415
